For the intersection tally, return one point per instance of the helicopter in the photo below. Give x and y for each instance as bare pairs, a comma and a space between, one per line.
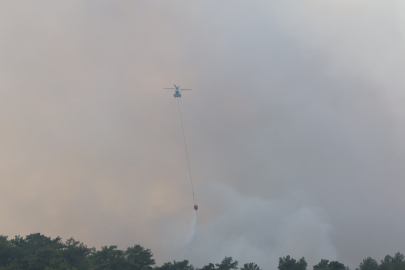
177, 93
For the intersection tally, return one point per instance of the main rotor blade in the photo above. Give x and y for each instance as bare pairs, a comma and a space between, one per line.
169, 88
184, 89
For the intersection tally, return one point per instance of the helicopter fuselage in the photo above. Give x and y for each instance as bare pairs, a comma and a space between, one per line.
177, 94
177, 90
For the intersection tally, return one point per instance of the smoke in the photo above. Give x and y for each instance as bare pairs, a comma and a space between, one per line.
88, 135
194, 232
249, 229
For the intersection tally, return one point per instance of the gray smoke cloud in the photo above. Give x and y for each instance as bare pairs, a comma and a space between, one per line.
295, 126
253, 229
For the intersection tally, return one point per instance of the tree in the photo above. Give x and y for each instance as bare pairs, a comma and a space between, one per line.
322, 265
35, 241
210, 266
398, 258
183, 265
41, 258
76, 254
301, 264
6, 251
139, 258
227, 264
108, 258
393, 263
368, 264
250, 266
335, 265
326, 265
36, 251
288, 263
398, 262
13, 265
58, 264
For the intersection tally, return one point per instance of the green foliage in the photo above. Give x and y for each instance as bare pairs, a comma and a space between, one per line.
326, 265
183, 265
322, 265
227, 264
210, 266
108, 258
335, 265
288, 263
38, 252
139, 258
13, 265
250, 266
368, 264
134, 258
35, 252
76, 254
393, 263
6, 251
58, 264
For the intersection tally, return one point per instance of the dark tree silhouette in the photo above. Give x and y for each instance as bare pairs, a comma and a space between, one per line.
368, 264
227, 264
38, 252
183, 265
288, 263
250, 266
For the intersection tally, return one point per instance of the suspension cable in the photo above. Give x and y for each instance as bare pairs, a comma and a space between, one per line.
185, 145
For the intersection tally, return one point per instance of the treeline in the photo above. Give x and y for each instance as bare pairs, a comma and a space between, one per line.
38, 252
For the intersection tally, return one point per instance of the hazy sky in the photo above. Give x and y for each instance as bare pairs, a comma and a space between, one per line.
295, 126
